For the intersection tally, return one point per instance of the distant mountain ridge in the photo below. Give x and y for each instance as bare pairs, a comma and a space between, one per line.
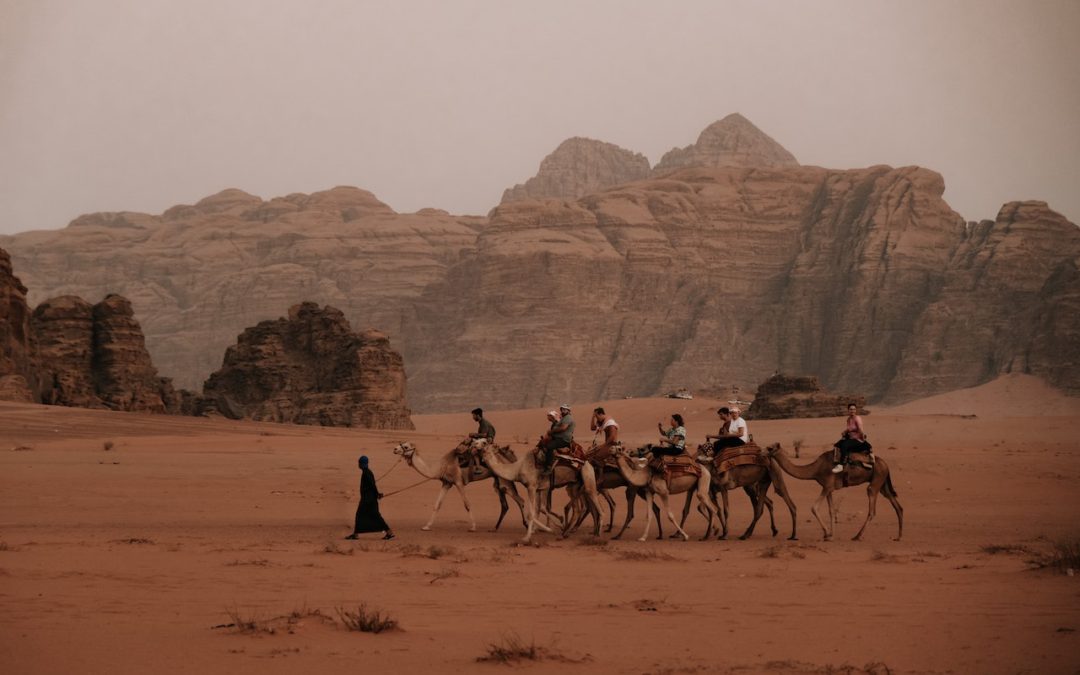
700, 276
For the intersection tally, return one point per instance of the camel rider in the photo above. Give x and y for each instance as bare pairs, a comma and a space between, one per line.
607, 431
485, 429
725, 423
673, 441
737, 432
852, 439
559, 436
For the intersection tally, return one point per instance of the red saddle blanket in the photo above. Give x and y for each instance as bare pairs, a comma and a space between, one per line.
749, 454
573, 457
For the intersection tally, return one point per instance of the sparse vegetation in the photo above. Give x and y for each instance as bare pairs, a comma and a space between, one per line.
592, 541
260, 562
797, 444
247, 624
133, 540
1064, 555
512, 648
333, 548
108, 445
644, 555
366, 620
882, 556
770, 552
432, 552
994, 549
4, 546
449, 573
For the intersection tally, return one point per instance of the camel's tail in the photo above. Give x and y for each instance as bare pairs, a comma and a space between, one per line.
889, 485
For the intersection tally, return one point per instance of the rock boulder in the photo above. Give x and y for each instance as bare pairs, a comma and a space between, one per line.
785, 397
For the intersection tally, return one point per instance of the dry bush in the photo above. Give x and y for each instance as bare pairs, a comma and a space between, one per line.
797, 444
449, 573
133, 540
770, 552
108, 445
432, 552
259, 562
366, 620
4, 546
994, 549
647, 554
882, 556
333, 548
592, 540
1064, 555
247, 624
512, 649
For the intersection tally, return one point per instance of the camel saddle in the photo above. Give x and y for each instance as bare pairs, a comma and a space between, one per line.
675, 466
862, 459
573, 457
740, 455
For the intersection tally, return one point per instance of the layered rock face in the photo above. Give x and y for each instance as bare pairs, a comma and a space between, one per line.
702, 278
732, 141
16, 351
310, 368
580, 166
785, 397
94, 356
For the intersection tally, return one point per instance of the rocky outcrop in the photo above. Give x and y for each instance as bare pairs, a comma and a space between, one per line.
16, 351
732, 141
580, 166
311, 368
94, 356
785, 397
702, 278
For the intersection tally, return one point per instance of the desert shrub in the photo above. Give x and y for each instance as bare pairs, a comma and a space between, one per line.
644, 555
366, 620
1064, 554
108, 445
511, 648
994, 549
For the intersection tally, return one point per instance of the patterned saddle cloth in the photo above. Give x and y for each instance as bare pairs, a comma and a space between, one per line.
861, 459
676, 467
743, 455
573, 457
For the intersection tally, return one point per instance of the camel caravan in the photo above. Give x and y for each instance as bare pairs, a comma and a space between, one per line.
728, 460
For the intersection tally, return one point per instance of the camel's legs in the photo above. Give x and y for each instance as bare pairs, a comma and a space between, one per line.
505, 488
781, 489
723, 519
815, 509
468, 509
666, 504
834, 515
443, 489
871, 494
611, 509
890, 494
503, 506
648, 515
705, 500
757, 500
631, 497
533, 498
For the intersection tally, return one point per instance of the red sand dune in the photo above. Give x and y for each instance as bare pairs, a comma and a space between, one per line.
124, 560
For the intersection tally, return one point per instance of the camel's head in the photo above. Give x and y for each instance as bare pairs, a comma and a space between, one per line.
773, 449
406, 449
483, 446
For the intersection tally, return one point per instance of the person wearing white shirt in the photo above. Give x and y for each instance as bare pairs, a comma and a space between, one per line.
737, 432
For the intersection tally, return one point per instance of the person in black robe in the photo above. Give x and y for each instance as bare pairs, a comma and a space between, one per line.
368, 518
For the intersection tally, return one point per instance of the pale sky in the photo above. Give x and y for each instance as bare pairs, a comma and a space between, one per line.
111, 105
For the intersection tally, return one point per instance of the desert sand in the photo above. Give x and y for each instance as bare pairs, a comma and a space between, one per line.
128, 559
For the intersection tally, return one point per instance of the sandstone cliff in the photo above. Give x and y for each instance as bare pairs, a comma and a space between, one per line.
704, 277
94, 356
580, 166
732, 141
785, 397
310, 368
17, 369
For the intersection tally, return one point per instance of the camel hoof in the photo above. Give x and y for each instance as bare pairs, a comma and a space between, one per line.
472, 529
686, 537
426, 528
641, 539
744, 537
722, 537
775, 532
856, 538
793, 538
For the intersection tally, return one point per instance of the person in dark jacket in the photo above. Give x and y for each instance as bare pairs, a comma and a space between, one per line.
368, 518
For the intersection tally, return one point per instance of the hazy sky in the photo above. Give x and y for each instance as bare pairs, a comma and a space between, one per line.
142, 104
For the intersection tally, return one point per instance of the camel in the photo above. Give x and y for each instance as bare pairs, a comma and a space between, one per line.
611, 478
528, 473
656, 484
450, 474
878, 480
755, 480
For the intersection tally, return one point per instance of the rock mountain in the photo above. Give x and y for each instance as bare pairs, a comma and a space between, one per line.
701, 276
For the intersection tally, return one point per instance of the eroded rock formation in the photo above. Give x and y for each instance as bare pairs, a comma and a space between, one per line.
580, 166
94, 356
311, 368
732, 141
700, 278
16, 351
786, 397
